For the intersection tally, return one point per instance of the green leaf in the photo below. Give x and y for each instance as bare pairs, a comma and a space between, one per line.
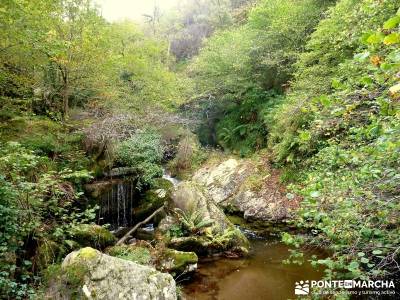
325, 101
366, 80
375, 38
391, 23
386, 67
361, 254
377, 252
336, 84
361, 56
364, 260
391, 39
305, 136
353, 265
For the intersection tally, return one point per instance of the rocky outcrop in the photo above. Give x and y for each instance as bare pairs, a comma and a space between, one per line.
223, 180
247, 186
90, 274
197, 208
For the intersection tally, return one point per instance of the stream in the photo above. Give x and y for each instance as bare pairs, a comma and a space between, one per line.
260, 276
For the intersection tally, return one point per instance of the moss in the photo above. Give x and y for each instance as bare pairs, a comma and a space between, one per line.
177, 261
48, 252
87, 253
231, 238
198, 244
64, 282
137, 254
93, 236
236, 220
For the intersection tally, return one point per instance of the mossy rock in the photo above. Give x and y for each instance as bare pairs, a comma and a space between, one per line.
177, 262
231, 240
90, 274
198, 244
153, 199
94, 236
137, 254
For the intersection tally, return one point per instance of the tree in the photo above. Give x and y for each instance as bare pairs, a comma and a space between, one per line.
75, 48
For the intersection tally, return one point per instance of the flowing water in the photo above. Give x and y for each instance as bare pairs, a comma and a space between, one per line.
261, 276
173, 180
117, 202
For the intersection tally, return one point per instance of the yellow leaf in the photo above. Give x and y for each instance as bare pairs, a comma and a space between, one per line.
395, 89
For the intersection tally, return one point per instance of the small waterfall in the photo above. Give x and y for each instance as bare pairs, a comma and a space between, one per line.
117, 199
167, 176
117, 202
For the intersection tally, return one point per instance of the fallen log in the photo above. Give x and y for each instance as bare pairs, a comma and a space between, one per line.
129, 233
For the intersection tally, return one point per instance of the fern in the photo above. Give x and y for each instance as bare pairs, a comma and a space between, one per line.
192, 221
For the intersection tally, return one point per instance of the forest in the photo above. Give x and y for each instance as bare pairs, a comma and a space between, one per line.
209, 120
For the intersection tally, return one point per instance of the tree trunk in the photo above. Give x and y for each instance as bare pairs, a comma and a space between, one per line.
148, 219
65, 97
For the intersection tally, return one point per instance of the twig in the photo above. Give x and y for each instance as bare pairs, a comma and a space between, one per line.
127, 235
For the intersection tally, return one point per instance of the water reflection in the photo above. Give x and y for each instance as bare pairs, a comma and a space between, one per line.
258, 277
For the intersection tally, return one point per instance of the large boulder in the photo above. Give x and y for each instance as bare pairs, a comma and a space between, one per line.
196, 207
193, 198
90, 274
251, 187
223, 180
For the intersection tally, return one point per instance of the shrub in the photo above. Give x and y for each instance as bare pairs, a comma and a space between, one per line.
36, 205
348, 152
143, 152
189, 156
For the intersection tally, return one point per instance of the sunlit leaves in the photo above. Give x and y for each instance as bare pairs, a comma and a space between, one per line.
392, 23
393, 38
375, 38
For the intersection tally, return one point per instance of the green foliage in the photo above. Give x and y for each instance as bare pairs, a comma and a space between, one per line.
351, 138
223, 65
143, 152
192, 222
244, 126
12, 284
189, 156
238, 65
282, 30
335, 40
37, 203
138, 71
